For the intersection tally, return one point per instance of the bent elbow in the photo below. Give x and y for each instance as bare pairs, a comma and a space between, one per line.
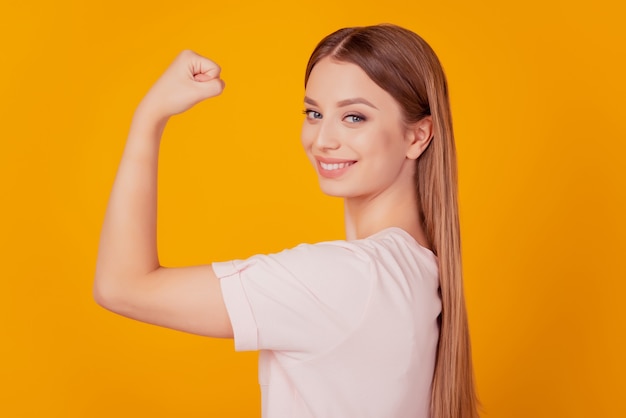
106, 295
99, 295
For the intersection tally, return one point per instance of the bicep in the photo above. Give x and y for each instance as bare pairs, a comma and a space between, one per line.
186, 299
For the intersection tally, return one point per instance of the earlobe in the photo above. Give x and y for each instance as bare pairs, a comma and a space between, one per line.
420, 134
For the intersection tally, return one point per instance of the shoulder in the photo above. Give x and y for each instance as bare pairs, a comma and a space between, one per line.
319, 257
391, 249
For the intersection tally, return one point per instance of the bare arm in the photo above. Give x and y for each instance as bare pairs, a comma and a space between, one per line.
129, 278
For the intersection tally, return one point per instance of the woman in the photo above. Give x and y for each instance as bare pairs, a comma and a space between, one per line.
372, 326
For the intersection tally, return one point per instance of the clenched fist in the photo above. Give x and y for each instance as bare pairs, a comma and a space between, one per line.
190, 79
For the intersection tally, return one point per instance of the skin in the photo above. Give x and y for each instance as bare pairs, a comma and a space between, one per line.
351, 120
129, 278
378, 188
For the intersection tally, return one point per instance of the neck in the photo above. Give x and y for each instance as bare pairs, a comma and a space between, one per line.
397, 206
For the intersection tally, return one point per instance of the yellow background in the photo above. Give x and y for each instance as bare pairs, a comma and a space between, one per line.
538, 96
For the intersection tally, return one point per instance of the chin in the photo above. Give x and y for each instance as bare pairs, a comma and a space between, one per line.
336, 190
332, 193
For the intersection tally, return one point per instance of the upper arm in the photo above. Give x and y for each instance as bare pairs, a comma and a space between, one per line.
187, 299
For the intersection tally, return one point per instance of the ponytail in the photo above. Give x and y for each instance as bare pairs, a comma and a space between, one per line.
453, 393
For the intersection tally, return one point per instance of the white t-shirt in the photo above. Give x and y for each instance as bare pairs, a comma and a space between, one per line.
346, 329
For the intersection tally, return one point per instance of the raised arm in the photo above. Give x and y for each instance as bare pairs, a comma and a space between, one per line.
129, 279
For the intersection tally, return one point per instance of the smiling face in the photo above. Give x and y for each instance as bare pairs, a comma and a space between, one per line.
354, 133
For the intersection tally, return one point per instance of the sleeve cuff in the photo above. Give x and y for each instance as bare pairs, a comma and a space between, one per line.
238, 306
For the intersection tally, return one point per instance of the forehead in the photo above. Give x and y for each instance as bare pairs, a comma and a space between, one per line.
333, 81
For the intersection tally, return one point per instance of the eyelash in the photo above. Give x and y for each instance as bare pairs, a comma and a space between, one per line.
308, 112
356, 115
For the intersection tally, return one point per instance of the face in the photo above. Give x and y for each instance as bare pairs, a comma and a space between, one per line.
354, 133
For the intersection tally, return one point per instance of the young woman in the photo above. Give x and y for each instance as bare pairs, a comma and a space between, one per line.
371, 326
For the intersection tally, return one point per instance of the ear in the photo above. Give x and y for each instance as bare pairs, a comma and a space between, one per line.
419, 135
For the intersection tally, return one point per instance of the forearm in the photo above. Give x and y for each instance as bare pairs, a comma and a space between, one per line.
128, 248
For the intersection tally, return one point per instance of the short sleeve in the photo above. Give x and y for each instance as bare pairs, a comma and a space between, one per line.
304, 299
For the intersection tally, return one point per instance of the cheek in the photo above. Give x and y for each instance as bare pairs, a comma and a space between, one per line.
307, 138
381, 143
307, 135
386, 151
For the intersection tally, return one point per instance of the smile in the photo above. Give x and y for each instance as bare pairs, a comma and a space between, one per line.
333, 169
336, 166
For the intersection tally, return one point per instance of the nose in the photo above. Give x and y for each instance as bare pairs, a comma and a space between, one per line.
327, 138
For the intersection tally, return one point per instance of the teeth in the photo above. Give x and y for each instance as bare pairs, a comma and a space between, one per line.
335, 166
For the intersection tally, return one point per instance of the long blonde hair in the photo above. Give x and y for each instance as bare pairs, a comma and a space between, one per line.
404, 65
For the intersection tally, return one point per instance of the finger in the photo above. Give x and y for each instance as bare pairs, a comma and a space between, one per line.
211, 88
203, 69
203, 77
215, 87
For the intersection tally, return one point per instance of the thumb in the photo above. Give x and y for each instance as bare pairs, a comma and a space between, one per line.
212, 87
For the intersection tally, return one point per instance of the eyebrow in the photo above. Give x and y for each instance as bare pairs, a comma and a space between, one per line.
342, 103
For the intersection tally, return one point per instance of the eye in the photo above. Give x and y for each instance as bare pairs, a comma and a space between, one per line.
312, 114
355, 118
